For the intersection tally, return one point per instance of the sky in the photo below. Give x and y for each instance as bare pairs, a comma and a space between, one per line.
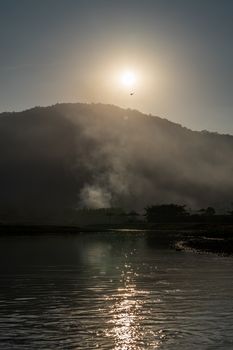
180, 51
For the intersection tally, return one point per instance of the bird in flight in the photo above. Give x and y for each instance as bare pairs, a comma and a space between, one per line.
132, 93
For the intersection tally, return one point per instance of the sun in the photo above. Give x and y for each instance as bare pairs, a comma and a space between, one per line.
128, 78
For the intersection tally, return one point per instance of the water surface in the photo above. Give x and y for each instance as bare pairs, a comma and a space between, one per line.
120, 291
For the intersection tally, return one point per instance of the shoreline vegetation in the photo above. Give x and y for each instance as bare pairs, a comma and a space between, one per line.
167, 224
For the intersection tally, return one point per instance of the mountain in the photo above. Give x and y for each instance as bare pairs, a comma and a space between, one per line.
55, 159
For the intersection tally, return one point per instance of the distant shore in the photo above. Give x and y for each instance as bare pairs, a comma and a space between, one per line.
200, 237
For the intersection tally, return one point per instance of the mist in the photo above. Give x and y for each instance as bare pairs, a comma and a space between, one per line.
68, 156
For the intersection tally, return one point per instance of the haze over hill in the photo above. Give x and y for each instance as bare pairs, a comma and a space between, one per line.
55, 159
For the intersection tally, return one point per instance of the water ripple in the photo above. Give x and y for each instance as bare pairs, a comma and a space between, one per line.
111, 293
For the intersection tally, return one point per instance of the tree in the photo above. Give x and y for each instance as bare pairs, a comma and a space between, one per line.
209, 211
165, 212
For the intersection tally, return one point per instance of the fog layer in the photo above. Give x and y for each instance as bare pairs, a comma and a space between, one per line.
59, 158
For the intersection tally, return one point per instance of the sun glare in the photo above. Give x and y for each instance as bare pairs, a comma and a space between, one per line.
128, 78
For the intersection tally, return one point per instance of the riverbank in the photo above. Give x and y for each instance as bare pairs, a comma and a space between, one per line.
201, 237
219, 240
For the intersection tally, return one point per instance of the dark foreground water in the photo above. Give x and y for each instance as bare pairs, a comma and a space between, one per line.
122, 291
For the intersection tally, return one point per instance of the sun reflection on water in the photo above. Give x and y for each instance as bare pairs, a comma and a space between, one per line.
129, 329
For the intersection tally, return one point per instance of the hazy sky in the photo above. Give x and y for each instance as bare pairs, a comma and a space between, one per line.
70, 51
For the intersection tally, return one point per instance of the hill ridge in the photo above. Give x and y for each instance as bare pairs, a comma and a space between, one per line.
69, 155
66, 104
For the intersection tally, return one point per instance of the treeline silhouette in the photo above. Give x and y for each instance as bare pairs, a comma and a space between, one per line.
179, 213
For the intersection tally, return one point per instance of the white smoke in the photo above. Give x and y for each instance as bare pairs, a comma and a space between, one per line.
95, 197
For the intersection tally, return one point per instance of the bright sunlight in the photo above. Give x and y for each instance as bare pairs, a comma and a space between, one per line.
128, 78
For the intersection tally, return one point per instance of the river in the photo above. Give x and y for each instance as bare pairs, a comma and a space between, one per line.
117, 290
